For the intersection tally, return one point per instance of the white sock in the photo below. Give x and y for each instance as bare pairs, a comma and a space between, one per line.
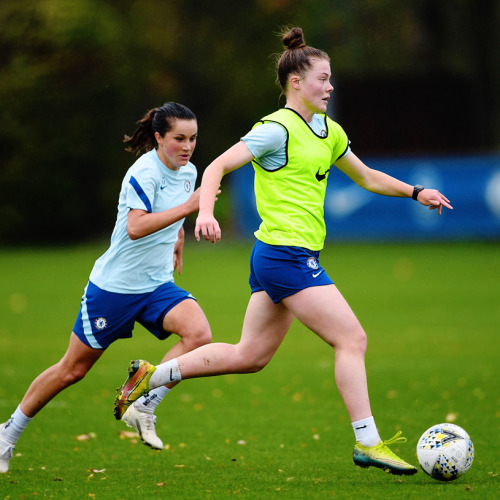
15, 426
166, 373
366, 432
149, 402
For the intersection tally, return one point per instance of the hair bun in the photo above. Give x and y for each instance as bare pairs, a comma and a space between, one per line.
294, 39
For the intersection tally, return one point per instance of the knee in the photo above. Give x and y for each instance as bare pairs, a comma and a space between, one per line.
72, 374
198, 336
358, 341
354, 341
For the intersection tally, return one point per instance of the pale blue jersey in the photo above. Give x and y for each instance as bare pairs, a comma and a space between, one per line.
142, 265
267, 142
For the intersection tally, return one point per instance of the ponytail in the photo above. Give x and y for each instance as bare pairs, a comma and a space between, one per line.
155, 120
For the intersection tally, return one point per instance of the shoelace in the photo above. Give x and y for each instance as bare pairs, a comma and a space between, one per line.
396, 439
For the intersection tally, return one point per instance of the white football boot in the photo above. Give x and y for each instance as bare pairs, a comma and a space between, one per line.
6, 452
144, 424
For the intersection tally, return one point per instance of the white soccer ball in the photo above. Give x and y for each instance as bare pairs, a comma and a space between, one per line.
445, 452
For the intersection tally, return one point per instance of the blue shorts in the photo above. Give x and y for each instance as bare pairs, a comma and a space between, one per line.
107, 316
282, 271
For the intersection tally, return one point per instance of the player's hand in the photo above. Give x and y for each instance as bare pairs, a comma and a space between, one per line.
433, 199
209, 228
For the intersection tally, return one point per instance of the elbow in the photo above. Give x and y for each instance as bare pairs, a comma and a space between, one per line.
132, 232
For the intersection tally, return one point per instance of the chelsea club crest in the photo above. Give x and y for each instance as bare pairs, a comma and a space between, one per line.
101, 323
312, 263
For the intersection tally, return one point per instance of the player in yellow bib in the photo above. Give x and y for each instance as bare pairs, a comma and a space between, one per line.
292, 152
290, 198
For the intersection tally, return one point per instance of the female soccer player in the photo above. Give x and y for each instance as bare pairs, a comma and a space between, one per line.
133, 280
292, 151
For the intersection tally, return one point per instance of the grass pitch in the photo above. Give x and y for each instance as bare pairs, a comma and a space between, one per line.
432, 315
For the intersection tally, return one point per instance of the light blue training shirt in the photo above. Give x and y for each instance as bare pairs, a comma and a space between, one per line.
140, 266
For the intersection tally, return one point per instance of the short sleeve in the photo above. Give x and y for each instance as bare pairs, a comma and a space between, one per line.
265, 139
139, 191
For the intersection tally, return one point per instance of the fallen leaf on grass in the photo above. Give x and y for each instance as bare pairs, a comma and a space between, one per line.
86, 437
128, 435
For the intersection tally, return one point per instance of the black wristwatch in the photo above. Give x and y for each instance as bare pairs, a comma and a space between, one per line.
417, 190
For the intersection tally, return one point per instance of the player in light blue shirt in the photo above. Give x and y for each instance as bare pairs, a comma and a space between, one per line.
133, 280
141, 265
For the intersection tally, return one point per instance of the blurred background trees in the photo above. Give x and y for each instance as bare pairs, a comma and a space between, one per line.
414, 77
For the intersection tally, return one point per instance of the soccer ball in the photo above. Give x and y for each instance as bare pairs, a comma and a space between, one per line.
445, 452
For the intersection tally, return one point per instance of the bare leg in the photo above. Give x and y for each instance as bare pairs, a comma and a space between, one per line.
325, 311
188, 321
73, 366
264, 328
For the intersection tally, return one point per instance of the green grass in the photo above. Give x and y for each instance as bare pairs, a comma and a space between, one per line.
432, 314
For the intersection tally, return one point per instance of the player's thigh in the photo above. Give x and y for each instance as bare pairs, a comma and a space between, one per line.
186, 318
325, 311
79, 357
265, 326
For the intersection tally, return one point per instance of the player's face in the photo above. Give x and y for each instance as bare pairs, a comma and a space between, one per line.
316, 87
176, 147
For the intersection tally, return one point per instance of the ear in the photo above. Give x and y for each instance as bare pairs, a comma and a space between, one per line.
158, 137
295, 81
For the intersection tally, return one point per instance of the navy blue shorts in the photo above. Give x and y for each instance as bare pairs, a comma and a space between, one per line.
107, 316
282, 271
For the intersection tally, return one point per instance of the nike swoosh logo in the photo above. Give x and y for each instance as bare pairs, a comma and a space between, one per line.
321, 177
171, 379
315, 275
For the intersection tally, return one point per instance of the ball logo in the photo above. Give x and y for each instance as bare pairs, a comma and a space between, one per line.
312, 263
187, 186
101, 323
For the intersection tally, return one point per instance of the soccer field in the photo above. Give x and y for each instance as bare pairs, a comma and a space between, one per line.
432, 315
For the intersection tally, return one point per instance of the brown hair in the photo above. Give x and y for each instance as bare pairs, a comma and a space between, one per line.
159, 120
296, 57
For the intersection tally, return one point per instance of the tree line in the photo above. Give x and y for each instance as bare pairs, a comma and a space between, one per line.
414, 77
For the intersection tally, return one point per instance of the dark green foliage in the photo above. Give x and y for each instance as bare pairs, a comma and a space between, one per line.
75, 76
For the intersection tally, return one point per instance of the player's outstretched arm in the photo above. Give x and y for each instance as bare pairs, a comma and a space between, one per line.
382, 183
